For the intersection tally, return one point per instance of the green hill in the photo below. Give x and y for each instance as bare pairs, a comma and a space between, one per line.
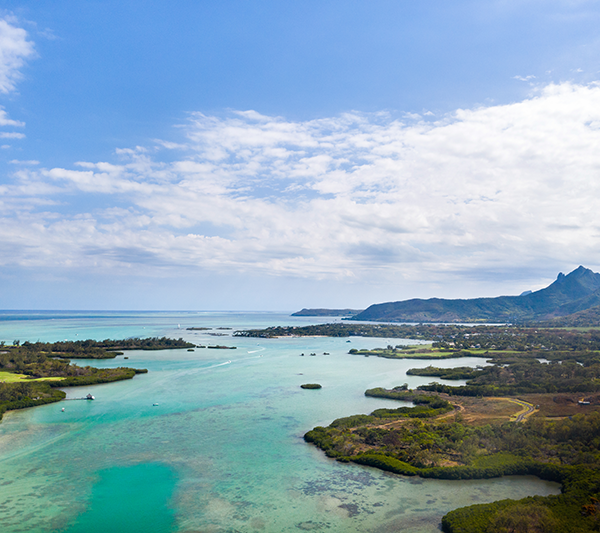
573, 293
582, 319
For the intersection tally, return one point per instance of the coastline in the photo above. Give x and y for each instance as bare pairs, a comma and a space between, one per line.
34, 373
195, 378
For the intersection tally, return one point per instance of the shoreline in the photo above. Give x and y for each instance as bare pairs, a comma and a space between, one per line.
35, 373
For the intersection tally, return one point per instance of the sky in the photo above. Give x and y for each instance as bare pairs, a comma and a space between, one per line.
275, 155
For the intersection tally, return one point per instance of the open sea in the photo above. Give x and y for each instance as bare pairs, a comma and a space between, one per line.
223, 449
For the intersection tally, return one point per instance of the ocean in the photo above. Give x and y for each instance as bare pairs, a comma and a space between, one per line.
222, 451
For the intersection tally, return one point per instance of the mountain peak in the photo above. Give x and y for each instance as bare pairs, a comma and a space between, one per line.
580, 270
575, 284
580, 273
578, 290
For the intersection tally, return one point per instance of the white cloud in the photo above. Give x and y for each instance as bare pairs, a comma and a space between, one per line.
19, 162
5, 121
358, 196
11, 135
14, 50
524, 78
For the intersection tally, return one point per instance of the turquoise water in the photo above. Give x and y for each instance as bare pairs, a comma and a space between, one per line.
131, 498
223, 449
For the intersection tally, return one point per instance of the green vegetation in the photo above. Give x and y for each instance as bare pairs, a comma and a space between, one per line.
25, 360
30, 373
19, 395
566, 451
338, 441
219, 347
422, 441
582, 319
402, 393
9, 377
90, 349
459, 372
573, 356
414, 352
422, 332
578, 291
571, 300
515, 374
449, 339
311, 386
95, 376
529, 515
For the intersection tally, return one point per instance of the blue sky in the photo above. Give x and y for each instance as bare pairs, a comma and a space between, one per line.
279, 155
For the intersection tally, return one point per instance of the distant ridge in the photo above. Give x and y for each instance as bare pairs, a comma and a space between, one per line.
582, 319
576, 292
327, 312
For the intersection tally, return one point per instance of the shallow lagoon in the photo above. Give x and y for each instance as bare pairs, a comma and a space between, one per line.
223, 449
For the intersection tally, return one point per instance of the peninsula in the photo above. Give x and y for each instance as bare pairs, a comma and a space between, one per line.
106, 349
533, 410
31, 373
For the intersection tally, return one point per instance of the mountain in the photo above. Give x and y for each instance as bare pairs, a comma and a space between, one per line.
582, 319
577, 291
327, 312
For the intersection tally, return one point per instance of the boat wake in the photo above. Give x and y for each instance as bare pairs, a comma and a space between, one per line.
254, 351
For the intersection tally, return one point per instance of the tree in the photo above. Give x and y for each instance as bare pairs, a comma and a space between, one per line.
522, 518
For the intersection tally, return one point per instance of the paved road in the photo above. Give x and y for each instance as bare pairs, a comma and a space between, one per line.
529, 408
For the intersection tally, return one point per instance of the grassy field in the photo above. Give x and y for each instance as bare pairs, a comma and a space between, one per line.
9, 377
421, 352
429, 352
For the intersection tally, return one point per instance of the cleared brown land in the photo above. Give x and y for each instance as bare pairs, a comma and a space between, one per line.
563, 404
479, 411
476, 411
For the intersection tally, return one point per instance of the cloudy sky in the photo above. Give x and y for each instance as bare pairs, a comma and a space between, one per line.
273, 155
